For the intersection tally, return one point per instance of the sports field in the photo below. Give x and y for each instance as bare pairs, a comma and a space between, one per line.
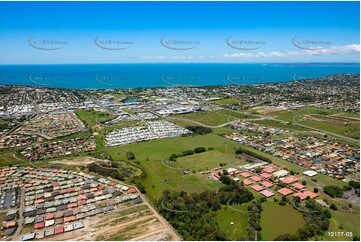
277, 220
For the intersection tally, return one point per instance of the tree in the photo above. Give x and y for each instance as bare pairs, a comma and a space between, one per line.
333, 206
199, 149
315, 190
225, 180
173, 157
354, 184
333, 191
239, 151
141, 187
130, 155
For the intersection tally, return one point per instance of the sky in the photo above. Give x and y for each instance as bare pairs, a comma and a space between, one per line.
172, 32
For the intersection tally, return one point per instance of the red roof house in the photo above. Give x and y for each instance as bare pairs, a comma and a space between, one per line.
284, 191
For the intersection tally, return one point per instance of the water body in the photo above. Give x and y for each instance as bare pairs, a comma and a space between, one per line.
111, 76
131, 100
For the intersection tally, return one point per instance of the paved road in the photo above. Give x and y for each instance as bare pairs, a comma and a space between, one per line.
21, 217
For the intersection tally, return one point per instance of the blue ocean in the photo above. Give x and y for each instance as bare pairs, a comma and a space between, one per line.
114, 76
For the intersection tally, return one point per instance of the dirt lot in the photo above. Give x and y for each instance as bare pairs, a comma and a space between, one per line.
126, 222
266, 109
76, 161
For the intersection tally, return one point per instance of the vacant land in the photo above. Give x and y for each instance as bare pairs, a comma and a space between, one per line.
237, 114
90, 118
348, 222
226, 101
239, 220
161, 176
207, 118
10, 159
323, 119
203, 161
276, 124
128, 222
277, 220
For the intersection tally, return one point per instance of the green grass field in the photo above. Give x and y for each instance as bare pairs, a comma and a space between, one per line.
226, 101
349, 221
276, 124
237, 114
288, 115
203, 161
350, 130
90, 118
238, 229
207, 118
10, 159
160, 177
277, 220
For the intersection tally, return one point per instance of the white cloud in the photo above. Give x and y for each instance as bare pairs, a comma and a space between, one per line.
161, 57
330, 50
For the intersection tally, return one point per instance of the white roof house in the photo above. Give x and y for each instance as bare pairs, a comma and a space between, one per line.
310, 173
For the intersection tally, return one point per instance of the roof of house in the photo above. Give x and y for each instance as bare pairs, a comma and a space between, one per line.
28, 236
290, 179
310, 173
298, 186
284, 191
59, 229
245, 174
78, 225
39, 225
267, 184
267, 193
49, 216
257, 188
280, 173
247, 182
269, 169
256, 178
265, 175
132, 190
305, 194
69, 219
9, 231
